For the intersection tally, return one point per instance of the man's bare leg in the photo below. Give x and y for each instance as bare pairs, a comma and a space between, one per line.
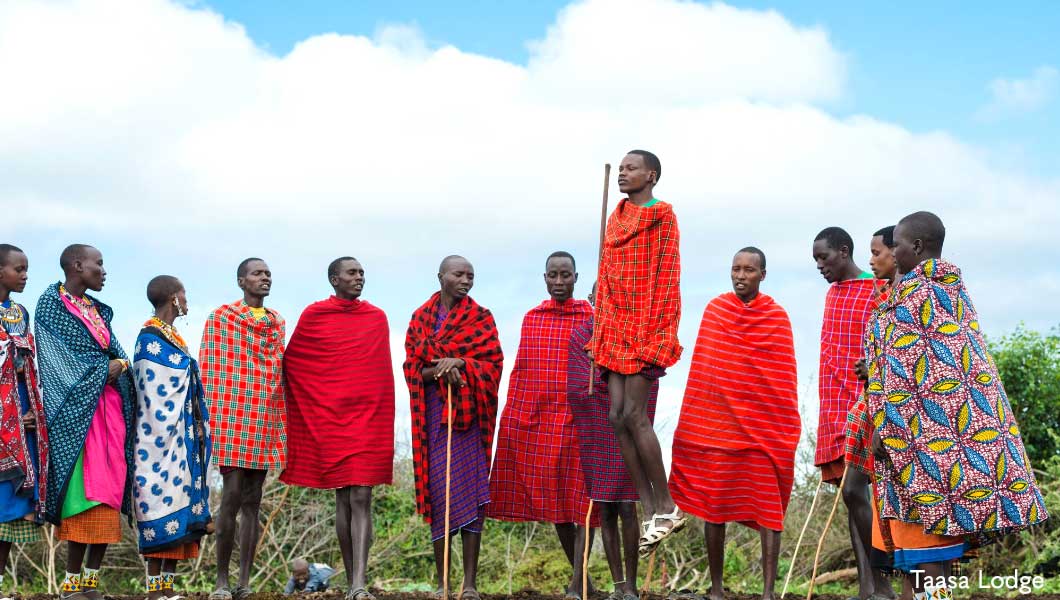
610, 538
470, 543
231, 498
361, 511
249, 527
344, 531
630, 542
714, 535
616, 387
770, 556
580, 537
637, 388
856, 497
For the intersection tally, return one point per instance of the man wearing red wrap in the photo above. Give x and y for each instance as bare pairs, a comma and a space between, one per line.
637, 312
734, 446
452, 349
537, 473
847, 306
340, 410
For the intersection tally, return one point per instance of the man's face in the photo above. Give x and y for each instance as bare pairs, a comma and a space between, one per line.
258, 279
747, 275
560, 278
458, 278
90, 268
906, 250
829, 260
349, 282
634, 175
881, 260
301, 575
14, 273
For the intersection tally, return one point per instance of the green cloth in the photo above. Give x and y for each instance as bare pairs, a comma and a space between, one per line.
76, 502
650, 203
866, 275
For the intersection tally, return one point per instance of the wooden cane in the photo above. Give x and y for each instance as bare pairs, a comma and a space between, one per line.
827, 524
599, 255
448, 485
585, 553
794, 555
647, 577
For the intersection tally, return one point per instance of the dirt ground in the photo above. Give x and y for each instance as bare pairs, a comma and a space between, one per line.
522, 595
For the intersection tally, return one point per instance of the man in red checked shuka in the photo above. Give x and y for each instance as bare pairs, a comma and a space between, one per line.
637, 312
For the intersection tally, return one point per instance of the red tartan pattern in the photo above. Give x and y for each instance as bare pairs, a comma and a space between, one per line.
15, 460
956, 463
846, 310
858, 439
469, 333
638, 295
537, 473
241, 360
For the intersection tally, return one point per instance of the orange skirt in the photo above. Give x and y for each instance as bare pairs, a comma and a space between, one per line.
100, 524
184, 552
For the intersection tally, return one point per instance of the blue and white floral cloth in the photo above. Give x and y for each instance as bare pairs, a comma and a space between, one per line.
170, 491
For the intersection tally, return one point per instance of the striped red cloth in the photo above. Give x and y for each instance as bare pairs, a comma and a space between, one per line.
537, 473
470, 333
847, 308
734, 446
606, 476
340, 397
638, 295
858, 451
241, 360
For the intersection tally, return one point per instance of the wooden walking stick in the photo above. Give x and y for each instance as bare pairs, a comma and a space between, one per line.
585, 554
599, 255
448, 485
794, 555
647, 578
827, 524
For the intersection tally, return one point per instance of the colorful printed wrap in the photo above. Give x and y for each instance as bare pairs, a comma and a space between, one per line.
241, 360
73, 372
956, 463
340, 420
171, 493
537, 473
16, 464
741, 398
469, 333
858, 438
847, 308
638, 295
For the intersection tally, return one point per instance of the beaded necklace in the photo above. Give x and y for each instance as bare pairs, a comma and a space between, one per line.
169, 331
11, 313
89, 312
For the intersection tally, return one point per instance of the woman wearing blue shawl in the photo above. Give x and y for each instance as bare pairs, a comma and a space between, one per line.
170, 492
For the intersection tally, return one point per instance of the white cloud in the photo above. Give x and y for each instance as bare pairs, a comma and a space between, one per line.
1015, 96
163, 135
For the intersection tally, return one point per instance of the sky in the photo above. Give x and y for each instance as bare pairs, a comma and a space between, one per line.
182, 137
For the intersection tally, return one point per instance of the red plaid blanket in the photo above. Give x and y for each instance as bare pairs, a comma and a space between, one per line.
241, 359
537, 474
469, 333
846, 310
15, 462
638, 296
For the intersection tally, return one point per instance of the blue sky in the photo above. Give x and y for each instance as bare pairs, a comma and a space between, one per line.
925, 65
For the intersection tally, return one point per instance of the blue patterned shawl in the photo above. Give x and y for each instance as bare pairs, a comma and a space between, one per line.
172, 445
73, 371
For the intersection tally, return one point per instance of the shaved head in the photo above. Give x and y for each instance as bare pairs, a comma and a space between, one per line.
71, 254
161, 290
449, 260
927, 227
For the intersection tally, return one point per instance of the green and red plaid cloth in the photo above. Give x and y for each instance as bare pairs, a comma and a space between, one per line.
638, 296
241, 359
469, 333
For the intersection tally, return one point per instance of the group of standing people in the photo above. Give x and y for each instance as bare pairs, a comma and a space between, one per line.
911, 403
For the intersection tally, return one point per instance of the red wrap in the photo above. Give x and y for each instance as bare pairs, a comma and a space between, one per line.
340, 397
469, 333
638, 296
15, 461
734, 446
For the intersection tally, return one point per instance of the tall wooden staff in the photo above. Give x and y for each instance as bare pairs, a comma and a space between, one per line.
791, 566
827, 524
592, 376
448, 485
